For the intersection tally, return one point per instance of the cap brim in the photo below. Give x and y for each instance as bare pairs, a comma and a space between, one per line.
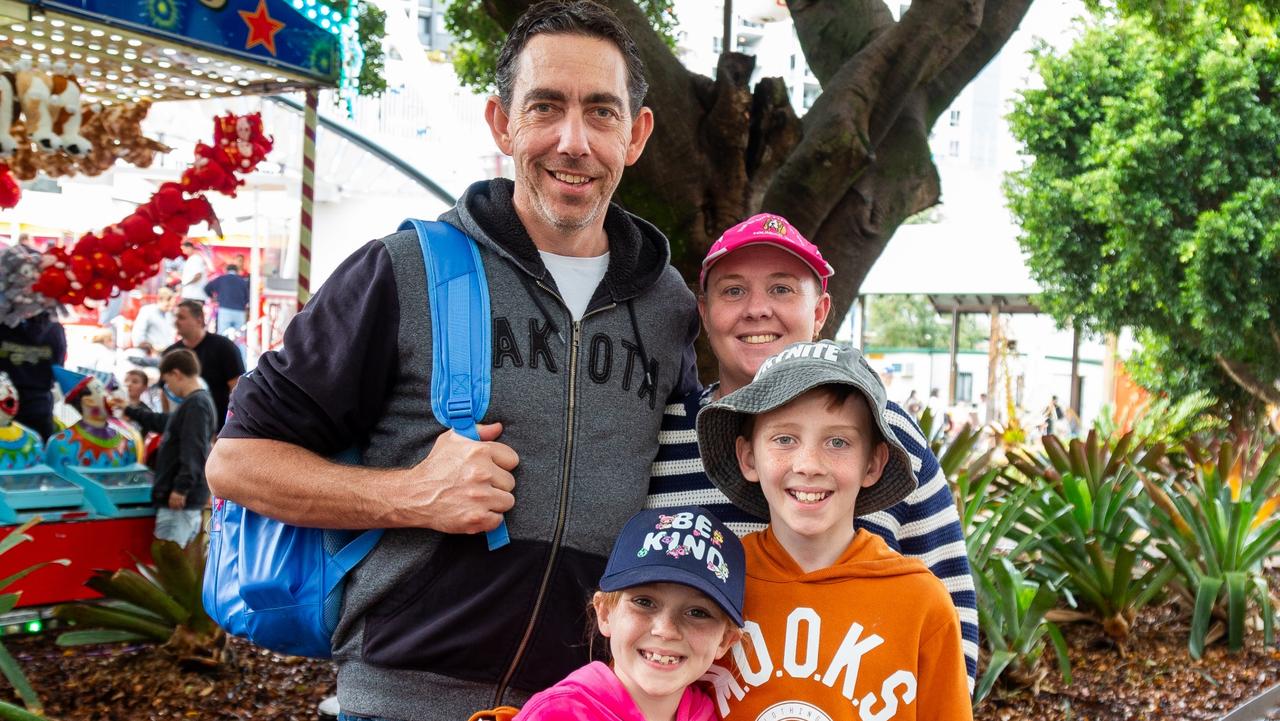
719, 426
765, 240
641, 575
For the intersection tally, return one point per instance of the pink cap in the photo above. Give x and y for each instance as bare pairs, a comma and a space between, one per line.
773, 230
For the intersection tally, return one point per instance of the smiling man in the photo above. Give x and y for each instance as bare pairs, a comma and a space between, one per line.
592, 332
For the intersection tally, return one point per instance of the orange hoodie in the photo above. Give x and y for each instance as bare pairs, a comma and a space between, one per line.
874, 637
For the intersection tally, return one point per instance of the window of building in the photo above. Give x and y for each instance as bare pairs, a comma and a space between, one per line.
715, 43
793, 62
953, 148
964, 387
811, 93
424, 30
955, 118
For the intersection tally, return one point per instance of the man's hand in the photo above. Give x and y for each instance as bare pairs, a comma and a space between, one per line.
177, 501
462, 486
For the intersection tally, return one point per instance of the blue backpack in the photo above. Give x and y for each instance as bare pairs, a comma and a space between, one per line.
280, 586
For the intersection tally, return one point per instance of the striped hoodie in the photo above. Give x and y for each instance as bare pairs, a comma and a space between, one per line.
924, 526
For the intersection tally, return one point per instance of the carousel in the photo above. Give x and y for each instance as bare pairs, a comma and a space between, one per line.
76, 80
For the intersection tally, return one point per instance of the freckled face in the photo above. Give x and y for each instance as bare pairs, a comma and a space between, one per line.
663, 637
569, 130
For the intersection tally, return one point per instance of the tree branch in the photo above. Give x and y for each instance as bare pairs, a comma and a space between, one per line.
860, 105
831, 31
1245, 378
1000, 18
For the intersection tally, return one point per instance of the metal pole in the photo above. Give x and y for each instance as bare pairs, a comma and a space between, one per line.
309, 123
862, 323
993, 360
954, 376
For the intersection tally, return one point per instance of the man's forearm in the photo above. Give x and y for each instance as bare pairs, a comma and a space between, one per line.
294, 485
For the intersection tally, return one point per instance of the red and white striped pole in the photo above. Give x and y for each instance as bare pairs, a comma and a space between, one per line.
310, 120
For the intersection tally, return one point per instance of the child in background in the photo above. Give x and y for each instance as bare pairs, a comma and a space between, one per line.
670, 603
840, 626
180, 490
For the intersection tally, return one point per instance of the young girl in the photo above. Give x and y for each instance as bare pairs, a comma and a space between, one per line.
670, 603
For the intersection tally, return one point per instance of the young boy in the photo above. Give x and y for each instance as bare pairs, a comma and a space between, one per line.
180, 489
839, 626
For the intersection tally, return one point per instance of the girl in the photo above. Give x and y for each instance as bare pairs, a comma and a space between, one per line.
670, 603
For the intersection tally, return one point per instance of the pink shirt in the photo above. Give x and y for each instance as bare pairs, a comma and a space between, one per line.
594, 692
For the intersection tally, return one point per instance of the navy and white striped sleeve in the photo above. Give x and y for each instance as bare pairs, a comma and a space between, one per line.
926, 525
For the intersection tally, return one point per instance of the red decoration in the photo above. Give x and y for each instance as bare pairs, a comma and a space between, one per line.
130, 251
9, 190
262, 28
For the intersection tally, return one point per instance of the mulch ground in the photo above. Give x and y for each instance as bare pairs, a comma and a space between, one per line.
1154, 678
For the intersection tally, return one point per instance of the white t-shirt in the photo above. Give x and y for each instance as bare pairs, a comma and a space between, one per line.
576, 278
191, 288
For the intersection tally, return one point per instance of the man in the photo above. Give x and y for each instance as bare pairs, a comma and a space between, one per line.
28, 353
220, 362
194, 269
231, 291
153, 326
435, 626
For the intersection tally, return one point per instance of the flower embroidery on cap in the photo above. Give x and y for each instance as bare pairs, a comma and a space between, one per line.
717, 538
721, 570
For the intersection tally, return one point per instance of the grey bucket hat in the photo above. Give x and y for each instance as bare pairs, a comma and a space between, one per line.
799, 368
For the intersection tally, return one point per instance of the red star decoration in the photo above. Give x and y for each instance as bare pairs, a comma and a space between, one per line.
262, 28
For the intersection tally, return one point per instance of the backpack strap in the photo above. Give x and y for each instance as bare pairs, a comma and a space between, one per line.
460, 333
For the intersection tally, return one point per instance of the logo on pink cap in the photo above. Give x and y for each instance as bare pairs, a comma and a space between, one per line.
769, 229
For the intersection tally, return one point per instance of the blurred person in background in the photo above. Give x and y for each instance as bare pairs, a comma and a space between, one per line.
221, 364
154, 324
231, 292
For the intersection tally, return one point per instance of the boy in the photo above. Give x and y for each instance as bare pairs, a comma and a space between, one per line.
839, 626
180, 491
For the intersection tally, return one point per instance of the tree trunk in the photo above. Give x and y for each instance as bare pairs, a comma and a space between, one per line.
850, 172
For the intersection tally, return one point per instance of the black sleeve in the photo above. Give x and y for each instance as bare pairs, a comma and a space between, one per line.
232, 362
150, 421
328, 385
687, 381
58, 342
195, 435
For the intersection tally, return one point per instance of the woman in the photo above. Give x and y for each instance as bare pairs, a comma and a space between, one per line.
763, 287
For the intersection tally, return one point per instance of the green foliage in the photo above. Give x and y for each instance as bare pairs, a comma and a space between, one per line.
9, 666
158, 602
909, 321
371, 28
1152, 199
477, 38
1011, 610
1217, 526
1165, 421
1089, 499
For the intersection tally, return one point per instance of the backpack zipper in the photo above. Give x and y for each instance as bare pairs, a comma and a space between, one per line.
576, 335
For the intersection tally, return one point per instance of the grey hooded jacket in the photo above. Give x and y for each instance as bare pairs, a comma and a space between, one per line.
436, 626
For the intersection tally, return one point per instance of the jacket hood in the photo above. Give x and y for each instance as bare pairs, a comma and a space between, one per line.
867, 556
638, 251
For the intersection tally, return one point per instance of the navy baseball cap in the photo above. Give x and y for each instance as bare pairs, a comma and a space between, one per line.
686, 545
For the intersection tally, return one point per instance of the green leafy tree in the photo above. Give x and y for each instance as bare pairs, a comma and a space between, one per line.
371, 28
1153, 197
848, 175
909, 321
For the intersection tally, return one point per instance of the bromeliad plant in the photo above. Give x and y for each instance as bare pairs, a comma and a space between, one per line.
1089, 499
158, 602
8, 664
1217, 525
